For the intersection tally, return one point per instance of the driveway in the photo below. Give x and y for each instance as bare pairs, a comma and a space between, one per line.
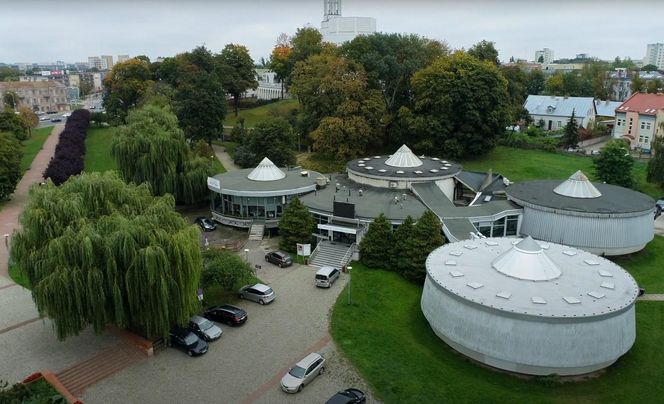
247, 363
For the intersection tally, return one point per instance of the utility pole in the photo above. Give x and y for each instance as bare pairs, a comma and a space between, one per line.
349, 279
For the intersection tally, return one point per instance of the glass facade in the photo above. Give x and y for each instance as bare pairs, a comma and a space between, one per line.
250, 207
505, 226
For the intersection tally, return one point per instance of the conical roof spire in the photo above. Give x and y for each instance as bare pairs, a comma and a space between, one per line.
266, 171
577, 186
527, 261
403, 157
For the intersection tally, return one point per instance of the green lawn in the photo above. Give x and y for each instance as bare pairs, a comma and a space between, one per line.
386, 337
33, 145
646, 266
98, 150
523, 165
254, 115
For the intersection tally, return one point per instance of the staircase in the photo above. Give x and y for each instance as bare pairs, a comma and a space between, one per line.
256, 231
98, 367
331, 254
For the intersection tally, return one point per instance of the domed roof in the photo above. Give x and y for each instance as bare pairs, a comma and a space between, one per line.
528, 261
403, 157
266, 171
577, 186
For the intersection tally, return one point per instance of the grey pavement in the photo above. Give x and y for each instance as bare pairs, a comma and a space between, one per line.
225, 158
247, 363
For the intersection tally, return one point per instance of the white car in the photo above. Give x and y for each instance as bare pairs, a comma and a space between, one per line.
259, 293
303, 373
44, 118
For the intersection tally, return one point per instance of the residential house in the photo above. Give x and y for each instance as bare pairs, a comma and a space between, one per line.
557, 111
638, 118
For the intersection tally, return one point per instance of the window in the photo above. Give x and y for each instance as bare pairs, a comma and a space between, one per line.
648, 125
560, 124
643, 125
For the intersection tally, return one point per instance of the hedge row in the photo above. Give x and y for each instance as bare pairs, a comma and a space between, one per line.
70, 151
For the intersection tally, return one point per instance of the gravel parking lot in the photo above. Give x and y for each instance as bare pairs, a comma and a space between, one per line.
247, 363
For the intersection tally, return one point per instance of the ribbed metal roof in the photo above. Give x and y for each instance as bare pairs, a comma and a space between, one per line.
577, 186
588, 285
527, 261
266, 171
403, 157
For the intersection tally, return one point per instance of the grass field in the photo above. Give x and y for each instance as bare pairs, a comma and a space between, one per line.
523, 165
646, 266
254, 115
386, 337
98, 150
33, 145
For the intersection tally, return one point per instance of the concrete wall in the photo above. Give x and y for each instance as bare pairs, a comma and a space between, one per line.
526, 344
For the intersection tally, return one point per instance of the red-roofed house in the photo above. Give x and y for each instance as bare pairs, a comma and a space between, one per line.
637, 119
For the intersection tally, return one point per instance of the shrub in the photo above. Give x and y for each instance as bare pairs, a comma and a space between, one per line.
10, 164
225, 269
69, 153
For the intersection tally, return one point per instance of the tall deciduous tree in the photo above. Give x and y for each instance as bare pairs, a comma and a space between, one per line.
272, 138
485, 51
376, 243
29, 118
461, 106
125, 85
152, 149
279, 60
10, 122
571, 135
10, 164
10, 99
614, 164
238, 72
225, 269
295, 226
108, 253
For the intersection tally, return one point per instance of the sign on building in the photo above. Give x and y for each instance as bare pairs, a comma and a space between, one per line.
304, 249
214, 184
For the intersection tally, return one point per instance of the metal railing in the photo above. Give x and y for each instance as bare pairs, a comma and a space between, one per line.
349, 254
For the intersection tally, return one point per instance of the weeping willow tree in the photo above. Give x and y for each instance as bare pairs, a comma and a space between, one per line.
152, 149
98, 251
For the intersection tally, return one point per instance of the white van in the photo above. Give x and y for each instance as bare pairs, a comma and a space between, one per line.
326, 276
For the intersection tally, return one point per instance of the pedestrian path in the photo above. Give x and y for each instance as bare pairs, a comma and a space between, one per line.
652, 297
225, 158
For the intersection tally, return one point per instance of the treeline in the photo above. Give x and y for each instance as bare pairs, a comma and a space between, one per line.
69, 154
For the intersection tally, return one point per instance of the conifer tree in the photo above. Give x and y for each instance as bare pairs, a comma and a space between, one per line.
376, 244
427, 237
404, 246
295, 226
571, 136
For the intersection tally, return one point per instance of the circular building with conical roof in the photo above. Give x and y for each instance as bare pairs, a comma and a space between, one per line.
530, 307
261, 193
601, 218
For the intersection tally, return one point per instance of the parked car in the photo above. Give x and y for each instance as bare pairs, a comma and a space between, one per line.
226, 314
43, 118
204, 328
660, 203
303, 373
186, 340
348, 396
56, 119
326, 276
260, 293
205, 223
279, 258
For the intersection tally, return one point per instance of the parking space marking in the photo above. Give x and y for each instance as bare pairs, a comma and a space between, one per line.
258, 393
19, 325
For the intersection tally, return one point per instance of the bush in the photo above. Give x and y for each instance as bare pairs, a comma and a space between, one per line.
69, 153
225, 269
525, 141
10, 164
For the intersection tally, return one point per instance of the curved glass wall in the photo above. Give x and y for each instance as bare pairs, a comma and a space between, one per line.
249, 207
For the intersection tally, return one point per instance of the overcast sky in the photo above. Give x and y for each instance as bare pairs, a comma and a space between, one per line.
72, 30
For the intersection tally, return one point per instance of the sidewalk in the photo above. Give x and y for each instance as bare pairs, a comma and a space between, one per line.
225, 158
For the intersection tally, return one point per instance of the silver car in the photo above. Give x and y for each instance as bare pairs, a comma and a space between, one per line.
303, 373
204, 328
259, 293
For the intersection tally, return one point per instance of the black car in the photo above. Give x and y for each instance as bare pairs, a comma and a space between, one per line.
205, 223
226, 314
56, 120
279, 258
347, 396
187, 341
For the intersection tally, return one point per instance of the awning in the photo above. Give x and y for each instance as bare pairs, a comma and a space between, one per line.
340, 229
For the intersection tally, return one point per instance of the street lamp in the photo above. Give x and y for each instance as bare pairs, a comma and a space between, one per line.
349, 279
246, 254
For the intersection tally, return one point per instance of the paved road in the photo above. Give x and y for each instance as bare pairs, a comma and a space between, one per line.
225, 158
27, 343
247, 363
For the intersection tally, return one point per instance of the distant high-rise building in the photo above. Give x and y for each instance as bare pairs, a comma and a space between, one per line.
123, 58
544, 56
655, 55
338, 29
94, 62
106, 62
